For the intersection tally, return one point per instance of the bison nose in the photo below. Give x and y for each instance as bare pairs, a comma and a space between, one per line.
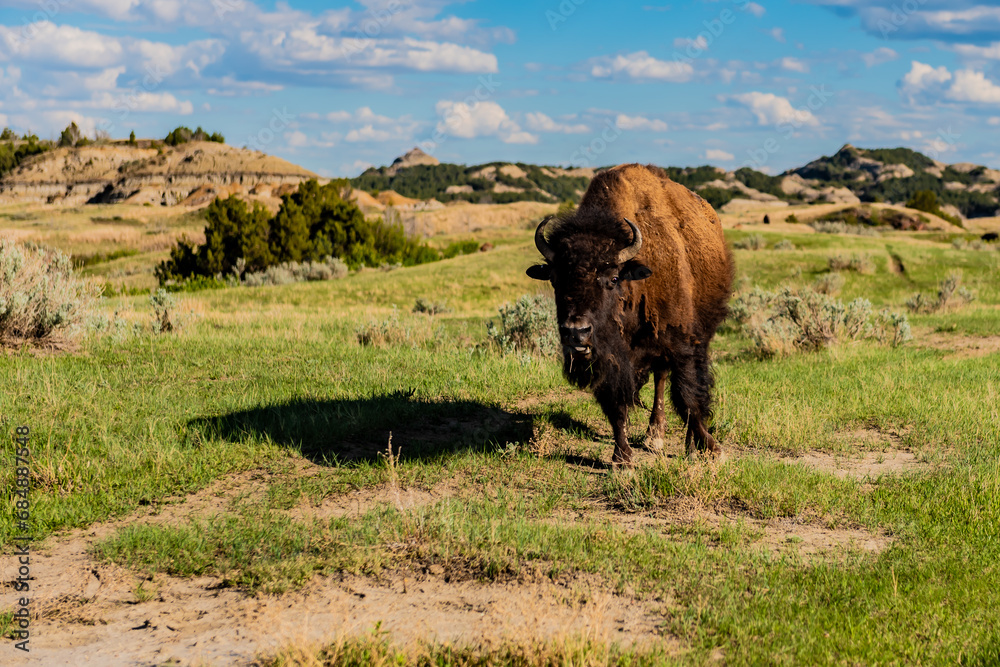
576, 335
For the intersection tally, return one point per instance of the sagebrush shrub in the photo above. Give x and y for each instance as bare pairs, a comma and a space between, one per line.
755, 242
779, 323
331, 268
784, 244
42, 302
859, 263
829, 284
428, 307
527, 325
164, 311
390, 331
951, 295
841, 227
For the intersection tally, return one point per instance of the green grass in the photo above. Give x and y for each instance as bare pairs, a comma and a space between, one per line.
274, 378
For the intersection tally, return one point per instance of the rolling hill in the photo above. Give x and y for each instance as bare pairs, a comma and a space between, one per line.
850, 176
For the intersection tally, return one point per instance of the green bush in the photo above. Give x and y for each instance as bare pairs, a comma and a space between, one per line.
314, 223
182, 135
42, 302
528, 325
460, 248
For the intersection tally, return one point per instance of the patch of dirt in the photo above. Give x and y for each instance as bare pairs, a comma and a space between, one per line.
811, 541
357, 503
90, 615
868, 465
875, 452
961, 346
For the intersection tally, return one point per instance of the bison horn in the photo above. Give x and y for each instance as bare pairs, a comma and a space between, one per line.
543, 246
633, 249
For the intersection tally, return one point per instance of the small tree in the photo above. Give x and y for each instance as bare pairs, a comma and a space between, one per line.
131, 139
7, 135
70, 136
924, 200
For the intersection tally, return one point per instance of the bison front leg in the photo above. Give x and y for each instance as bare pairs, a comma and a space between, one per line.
617, 414
657, 419
691, 392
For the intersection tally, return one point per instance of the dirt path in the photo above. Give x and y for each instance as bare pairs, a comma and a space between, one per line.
89, 613
92, 613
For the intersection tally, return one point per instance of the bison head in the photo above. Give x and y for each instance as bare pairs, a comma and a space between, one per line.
589, 272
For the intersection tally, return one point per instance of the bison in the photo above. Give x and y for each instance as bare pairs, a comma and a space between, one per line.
642, 277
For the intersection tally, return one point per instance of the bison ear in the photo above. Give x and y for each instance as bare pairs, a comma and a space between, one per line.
634, 271
539, 272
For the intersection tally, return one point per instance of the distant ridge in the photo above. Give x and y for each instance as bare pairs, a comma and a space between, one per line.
852, 175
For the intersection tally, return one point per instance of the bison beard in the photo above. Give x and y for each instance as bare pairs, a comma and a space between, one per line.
639, 297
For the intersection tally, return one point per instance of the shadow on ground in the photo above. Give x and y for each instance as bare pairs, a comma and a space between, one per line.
346, 430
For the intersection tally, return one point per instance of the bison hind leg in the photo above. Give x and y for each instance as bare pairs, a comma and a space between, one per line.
691, 393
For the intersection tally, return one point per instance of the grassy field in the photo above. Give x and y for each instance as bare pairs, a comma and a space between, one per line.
271, 379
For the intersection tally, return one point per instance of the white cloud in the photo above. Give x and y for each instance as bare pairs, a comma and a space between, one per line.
368, 133
699, 43
995, 120
971, 86
770, 109
539, 122
45, 42
642, 66
480, 119
991, 52
719, 155
755, 9
640, 123
297, 139
879, 56
794, 65
778, 34
370, 126
141, 101
925, 84
305, 45
923, 79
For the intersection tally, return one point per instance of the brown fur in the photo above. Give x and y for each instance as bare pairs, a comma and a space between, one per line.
661, 324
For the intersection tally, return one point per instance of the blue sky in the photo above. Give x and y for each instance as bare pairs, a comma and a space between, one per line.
336, 87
